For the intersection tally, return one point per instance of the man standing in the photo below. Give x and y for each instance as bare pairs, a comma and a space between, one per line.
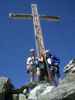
42, 66
53, 66
31, 66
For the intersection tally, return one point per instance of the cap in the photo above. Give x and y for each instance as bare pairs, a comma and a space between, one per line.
32, 50
47, 51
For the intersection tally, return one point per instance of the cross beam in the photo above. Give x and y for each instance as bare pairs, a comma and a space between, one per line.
40, 48
29, 16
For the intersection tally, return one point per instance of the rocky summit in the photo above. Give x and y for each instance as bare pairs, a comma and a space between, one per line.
43, 90
5, 88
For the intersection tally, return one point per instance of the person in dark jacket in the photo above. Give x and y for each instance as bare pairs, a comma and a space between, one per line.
42, 67
53, 65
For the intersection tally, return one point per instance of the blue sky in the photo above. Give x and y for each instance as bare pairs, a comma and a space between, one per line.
17, 36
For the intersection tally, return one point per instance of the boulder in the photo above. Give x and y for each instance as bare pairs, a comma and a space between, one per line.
19, 96
22, 97
40, 89
66, 88
5, 88
64, 91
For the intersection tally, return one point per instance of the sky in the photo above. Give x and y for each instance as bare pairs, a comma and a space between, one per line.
17, 36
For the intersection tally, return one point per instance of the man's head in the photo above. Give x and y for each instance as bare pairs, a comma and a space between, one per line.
47, 53
32, 52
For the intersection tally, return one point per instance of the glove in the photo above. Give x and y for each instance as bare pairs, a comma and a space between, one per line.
28, 71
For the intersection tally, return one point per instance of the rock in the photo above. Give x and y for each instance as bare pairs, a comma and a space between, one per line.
64, 91
22, 97
15, 96
60, 92
19, 96
5, 88
40, 89
3, 81
70, 67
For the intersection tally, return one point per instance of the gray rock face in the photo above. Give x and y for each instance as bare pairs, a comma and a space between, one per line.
39, 90
15, 97
22, 97
64, 91
3, 81
70, 67
19, 97
5, 88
